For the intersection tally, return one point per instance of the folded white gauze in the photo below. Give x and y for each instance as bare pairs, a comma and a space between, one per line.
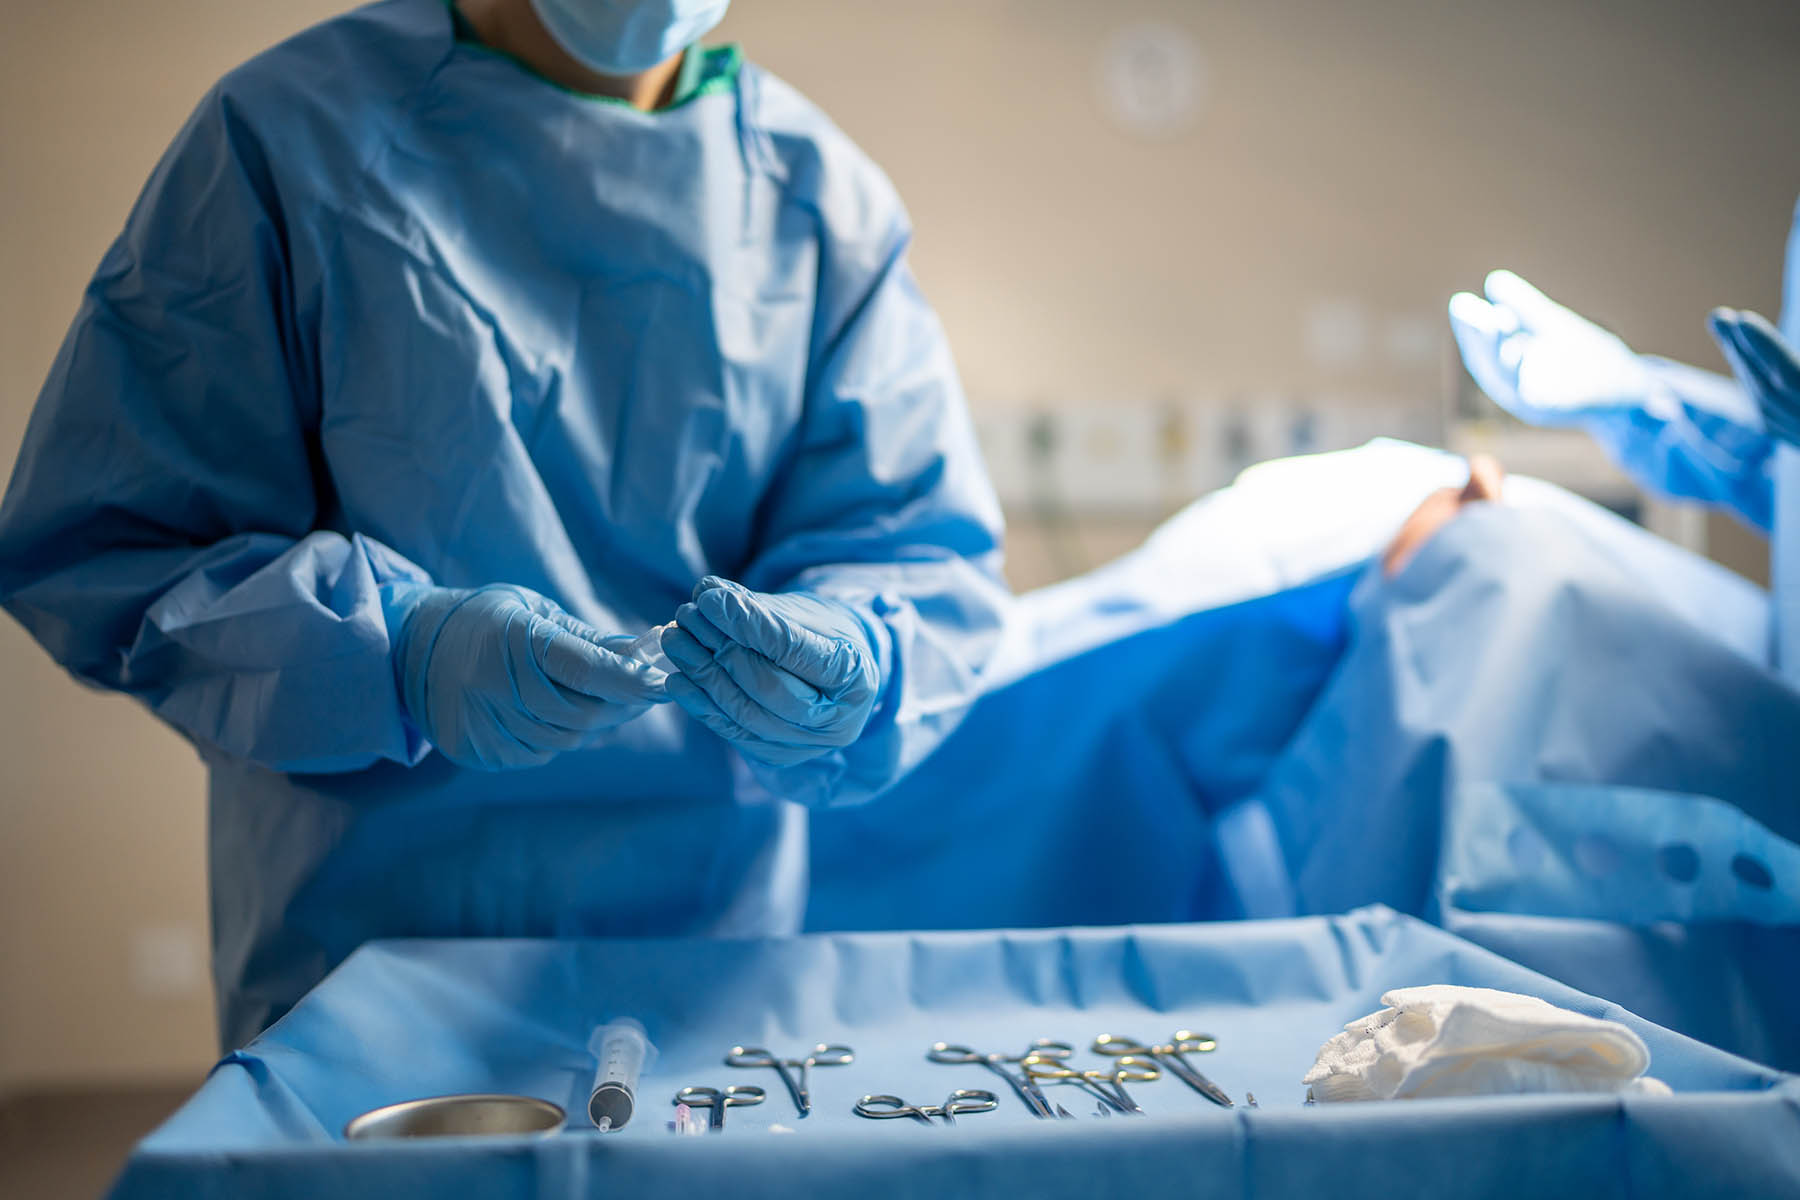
1463, 1041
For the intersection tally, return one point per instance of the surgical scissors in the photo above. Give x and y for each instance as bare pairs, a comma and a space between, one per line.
962, 1100
1170, 1055
1029, 1092
821, 1056
718, 1100
1125, 1069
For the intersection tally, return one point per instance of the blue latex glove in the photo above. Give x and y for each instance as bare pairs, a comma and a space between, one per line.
502, 677
784, 677
1676, 430
1765, 364
1542, 362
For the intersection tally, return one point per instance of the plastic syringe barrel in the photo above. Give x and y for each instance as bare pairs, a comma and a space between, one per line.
623, 1053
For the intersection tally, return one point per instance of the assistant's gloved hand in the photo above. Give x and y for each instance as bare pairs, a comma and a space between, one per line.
784, 677
1542, 362
502, 677
1766, 366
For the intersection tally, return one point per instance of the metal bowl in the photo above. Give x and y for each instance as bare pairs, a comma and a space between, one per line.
457, 1116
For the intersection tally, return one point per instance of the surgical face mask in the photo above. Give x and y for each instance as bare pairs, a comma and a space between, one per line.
623, 37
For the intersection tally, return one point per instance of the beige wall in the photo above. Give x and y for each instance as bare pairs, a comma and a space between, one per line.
103, 853
1389, 150
1386, 151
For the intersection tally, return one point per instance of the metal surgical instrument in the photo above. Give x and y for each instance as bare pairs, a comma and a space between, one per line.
1109, 1086
788, 1068
1027, 1089
962, 1100
1170, 1055
718, 1100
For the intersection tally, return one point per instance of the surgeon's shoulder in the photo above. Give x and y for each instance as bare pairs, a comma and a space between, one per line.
331, 93
819, 165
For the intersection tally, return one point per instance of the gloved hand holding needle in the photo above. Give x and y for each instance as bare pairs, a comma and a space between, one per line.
503, 677
783, 677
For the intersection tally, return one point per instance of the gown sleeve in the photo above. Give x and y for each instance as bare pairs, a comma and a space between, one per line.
166, 531
1698, 437
885, 506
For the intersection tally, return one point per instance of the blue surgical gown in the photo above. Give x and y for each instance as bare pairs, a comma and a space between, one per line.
392, 308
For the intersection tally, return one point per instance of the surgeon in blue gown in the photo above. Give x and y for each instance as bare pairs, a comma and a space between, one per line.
448, 352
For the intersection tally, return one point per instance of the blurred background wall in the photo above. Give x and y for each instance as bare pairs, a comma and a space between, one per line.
1167, 237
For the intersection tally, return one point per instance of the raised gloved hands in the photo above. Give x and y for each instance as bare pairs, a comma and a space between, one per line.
1542, 362
502, 677
783, 677
1766, 366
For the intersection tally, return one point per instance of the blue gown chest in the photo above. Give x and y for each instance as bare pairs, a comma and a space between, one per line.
563, 345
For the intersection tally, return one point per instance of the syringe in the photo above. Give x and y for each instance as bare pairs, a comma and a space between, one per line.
623, 1053
647, 649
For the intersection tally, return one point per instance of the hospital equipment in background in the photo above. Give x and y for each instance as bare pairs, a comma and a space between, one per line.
1143, 456
1027, 1088
793, 1071
738, 1095
1077, 477
1171, 1055
623, 1053
962, 1100
1106, 1085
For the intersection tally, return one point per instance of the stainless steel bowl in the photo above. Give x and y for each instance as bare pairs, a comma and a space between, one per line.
457, 1116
